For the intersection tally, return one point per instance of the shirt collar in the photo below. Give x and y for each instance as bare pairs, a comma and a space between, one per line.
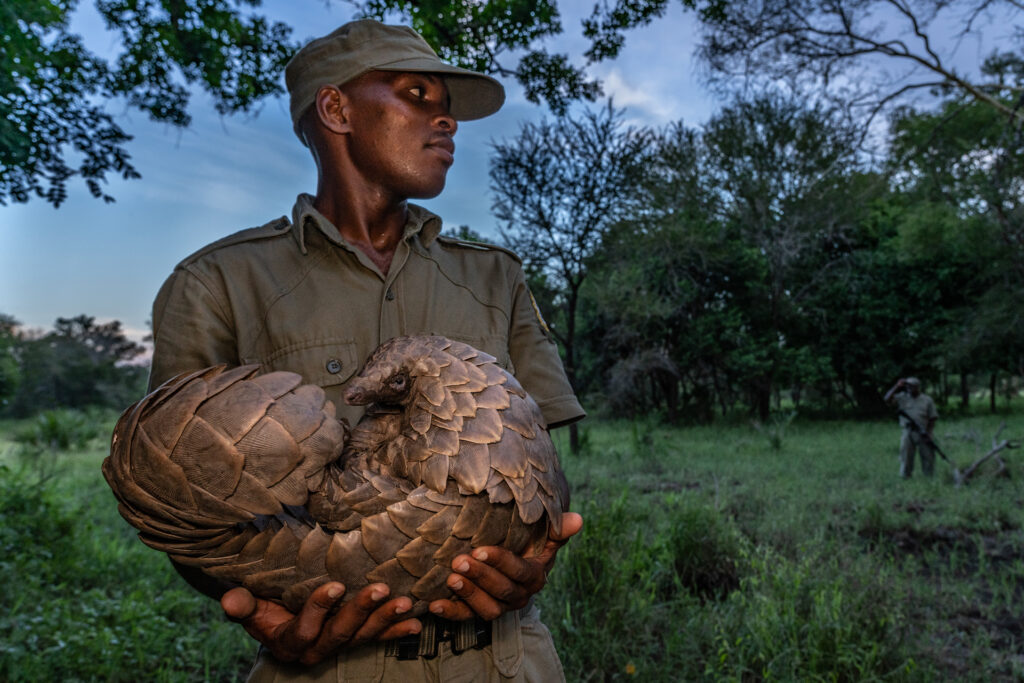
419, 222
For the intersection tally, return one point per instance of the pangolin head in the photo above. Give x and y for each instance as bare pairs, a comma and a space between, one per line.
395, 367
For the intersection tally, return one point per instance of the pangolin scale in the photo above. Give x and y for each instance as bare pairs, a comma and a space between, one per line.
254, 480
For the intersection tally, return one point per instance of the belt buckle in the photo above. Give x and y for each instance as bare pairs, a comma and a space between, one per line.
463, 635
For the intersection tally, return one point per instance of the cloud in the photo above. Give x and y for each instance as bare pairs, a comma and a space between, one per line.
647, 97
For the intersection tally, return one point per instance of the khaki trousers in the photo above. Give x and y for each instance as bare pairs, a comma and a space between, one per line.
909, 442
521, 652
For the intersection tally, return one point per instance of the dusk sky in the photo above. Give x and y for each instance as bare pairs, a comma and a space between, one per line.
224, 174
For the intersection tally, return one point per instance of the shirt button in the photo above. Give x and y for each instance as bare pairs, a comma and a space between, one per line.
334, 366
389, 295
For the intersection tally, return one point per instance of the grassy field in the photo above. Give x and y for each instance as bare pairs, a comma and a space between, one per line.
719, 554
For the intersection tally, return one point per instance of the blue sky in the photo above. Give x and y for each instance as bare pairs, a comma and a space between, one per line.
228, 173
224, 174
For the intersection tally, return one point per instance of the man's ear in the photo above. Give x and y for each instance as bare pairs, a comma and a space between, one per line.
332, 109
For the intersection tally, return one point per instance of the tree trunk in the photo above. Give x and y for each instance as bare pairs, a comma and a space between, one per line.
763, 399
965, 391
992, 393
570, 358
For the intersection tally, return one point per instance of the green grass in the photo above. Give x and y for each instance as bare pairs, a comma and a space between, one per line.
83, 599
721, 553
844, 571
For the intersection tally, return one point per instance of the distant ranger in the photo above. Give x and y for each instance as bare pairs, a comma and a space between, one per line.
917, 417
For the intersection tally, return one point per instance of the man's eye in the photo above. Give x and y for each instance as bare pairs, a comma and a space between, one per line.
418, 91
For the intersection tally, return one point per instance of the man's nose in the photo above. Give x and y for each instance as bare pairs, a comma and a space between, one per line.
446, 123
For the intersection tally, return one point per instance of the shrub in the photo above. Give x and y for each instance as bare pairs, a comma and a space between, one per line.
59, 430
625, 598
705, 548
808, 620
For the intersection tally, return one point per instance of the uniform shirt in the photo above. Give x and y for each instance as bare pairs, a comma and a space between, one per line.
921, 409
296, 296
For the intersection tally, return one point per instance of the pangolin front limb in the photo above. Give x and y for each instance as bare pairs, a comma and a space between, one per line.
252, 478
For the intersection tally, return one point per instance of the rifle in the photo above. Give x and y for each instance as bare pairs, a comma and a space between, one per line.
916, 428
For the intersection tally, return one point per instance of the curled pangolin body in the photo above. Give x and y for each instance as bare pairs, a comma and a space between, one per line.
252, 478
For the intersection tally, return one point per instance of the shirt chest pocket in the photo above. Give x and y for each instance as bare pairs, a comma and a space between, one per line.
325, 363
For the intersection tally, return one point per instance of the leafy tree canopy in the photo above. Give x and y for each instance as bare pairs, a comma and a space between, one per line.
53, 89
869, 54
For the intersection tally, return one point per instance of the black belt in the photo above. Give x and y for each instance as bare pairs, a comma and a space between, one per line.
475, 633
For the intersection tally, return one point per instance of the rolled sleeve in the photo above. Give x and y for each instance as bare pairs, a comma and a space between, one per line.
191, 328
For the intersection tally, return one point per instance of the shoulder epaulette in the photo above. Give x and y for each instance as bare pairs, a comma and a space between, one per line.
275, 228
481, 246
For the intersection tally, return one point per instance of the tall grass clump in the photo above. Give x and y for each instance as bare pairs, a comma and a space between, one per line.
625, 598
705, 549
810, 619
775, 429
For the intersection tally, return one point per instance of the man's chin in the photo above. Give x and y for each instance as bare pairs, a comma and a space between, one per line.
427, 193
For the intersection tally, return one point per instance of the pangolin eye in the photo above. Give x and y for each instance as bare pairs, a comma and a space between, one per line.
398, 382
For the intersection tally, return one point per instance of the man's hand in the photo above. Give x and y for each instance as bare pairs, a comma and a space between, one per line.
493, 580
314, 634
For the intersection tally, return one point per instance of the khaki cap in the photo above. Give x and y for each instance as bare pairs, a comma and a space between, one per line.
368, 45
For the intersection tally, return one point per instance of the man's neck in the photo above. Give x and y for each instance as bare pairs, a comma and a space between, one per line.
374, 225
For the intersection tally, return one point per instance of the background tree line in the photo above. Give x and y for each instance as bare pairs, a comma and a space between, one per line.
78, 364
764, 256
852, 215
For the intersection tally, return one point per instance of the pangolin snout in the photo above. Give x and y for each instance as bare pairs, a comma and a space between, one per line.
356, 394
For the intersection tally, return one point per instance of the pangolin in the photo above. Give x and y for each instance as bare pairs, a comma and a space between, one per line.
253, 479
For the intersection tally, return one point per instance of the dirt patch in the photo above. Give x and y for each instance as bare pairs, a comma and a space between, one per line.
980, 621
913, 507
674, 486
1006, 627
945, 540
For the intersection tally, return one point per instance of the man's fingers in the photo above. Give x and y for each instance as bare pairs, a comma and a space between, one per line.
363, 618
389, 618
403, 628
487, 604
238, 604
507, 565
572, 524
305, 629
454, 610
353, 615
493, 580
265, 621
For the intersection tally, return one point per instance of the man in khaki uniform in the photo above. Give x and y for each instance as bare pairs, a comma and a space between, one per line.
354, 266
917, 417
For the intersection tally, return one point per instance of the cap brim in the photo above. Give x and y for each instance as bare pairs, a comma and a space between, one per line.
473, 95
